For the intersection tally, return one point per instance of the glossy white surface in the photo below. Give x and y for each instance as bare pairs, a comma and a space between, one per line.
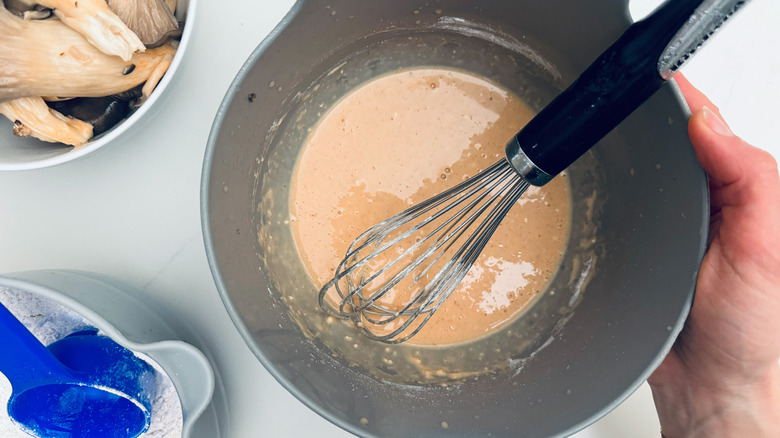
131, 209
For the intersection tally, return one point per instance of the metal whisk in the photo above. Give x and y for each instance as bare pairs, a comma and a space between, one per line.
453, 217
395, 275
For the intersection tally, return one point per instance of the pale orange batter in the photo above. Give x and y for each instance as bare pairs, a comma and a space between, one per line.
402, 138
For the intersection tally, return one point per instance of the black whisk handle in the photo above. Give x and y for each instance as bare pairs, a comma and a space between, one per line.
622, 78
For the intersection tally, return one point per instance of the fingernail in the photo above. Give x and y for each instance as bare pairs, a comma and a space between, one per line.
715, 123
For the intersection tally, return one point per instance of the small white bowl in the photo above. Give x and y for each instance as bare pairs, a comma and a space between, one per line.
17, 153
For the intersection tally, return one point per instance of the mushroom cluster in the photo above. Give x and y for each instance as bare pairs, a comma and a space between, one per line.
72, 69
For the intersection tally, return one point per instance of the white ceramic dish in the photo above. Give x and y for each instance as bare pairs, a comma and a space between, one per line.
18, 153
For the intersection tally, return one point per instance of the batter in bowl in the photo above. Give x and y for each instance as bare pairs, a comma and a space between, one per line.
402, 138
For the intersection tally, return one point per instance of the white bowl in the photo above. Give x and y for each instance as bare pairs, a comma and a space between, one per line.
17, 153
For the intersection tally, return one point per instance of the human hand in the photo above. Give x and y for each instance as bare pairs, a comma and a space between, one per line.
722, 378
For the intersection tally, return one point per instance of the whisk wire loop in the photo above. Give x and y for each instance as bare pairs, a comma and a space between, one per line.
448, 233
463, 218
458, 266
380, 232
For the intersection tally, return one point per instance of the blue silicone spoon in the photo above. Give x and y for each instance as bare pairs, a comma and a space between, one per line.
84, 385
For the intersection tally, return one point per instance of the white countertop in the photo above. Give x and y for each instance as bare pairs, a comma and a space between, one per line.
131, 209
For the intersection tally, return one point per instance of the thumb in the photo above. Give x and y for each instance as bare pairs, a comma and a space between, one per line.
744, 183
729, 160
726, 157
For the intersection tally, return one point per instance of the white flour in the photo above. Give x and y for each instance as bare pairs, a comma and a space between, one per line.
49, 322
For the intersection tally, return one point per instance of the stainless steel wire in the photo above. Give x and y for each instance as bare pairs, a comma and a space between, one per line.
432, 244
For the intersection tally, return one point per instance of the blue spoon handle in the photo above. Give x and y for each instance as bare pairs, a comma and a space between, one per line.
23, 359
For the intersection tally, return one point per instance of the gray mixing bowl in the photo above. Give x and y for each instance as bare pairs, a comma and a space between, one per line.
612, 310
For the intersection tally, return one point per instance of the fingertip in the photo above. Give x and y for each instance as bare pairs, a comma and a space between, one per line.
714, 145
695, 99
723, 155
715, 122
683, 82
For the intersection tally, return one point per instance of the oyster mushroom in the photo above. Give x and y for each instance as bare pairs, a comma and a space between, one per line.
152, 20
32, 117
47, 58
99, 25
